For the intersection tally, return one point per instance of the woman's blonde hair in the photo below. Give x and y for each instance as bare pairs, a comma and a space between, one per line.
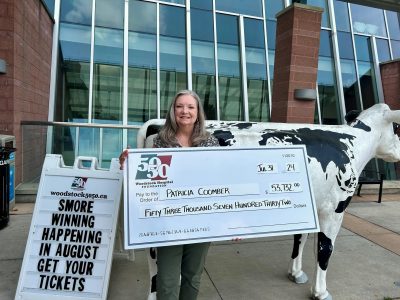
168, 131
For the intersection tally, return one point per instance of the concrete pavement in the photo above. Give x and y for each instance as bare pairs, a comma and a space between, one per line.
365, 263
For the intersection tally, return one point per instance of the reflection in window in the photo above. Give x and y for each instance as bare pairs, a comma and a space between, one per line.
351, 93
271, 39
201, 4
76, 11
74, 55
341, 15
142, 61
203, 60
395, 49
350, 86
326, 80
272, 8
257, 85
368, 20
110, 13
111, 145
366, 71
393, 24
248, 7
230, 81
383, 50
64, 142
88, 141
345, 45
172, 54
325, 14
175, 1
50, 6
108, 61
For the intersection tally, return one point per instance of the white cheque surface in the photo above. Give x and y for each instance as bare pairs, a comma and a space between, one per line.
192, 195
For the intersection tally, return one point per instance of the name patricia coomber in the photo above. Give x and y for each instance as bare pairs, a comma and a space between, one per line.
181, 193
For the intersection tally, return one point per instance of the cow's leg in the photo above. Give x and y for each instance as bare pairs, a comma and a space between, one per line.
152, 262
295, 272
324, 249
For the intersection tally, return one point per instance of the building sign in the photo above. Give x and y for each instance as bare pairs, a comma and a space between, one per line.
69, 250
190, 195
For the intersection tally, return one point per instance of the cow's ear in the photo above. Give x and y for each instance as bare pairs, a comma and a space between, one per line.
352, 115
393, 116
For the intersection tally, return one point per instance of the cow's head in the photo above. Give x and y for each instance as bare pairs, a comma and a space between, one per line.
382, 120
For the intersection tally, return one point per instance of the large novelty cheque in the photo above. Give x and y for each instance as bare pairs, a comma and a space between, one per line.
191, 195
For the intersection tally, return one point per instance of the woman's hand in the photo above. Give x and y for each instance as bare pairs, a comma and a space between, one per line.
122, 158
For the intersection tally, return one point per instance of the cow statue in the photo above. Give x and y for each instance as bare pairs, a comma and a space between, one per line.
336, 156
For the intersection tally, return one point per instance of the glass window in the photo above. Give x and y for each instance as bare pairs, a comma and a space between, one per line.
109, 13
202, 25
325, 44
345, 45
74, 41
111, 145
363, 48
75, 98
50, 6
341, 15
88, 141
272, 8
172, 54
201, 4
325, 14
108, 46
366, 72
142, 61
248, 7
368, 20
203, 60
271, 40
257, 85
230, 79
175, 1
108, 61
326, 80
350, 85
64, 142
76, 11
142, 17
383, 50
393, 24
395, 49
271, 34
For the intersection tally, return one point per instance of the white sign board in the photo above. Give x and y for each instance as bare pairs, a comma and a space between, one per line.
71, 239
191, 195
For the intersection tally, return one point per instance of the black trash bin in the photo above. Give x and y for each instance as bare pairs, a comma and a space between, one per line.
5, 185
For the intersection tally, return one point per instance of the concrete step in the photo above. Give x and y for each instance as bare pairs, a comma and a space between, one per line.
26, 192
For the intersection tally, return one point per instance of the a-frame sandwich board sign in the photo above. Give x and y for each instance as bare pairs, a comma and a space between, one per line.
70, 245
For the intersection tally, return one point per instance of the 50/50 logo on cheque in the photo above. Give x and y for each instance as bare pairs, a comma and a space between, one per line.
153, 166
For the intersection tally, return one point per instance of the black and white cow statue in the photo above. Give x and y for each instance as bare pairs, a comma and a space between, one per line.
336, 156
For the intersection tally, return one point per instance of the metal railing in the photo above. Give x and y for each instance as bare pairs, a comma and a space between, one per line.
103, 141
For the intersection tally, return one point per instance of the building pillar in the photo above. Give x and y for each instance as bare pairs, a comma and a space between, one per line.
390, 74
296, 64
25, 51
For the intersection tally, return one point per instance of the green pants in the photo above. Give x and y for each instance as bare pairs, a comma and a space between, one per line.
185, 260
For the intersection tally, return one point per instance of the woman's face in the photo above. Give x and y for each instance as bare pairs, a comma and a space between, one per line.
185, 110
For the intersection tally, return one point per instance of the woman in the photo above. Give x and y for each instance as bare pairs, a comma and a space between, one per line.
184, 127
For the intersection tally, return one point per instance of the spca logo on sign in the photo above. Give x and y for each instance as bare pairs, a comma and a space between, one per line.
153, 166
79, 183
